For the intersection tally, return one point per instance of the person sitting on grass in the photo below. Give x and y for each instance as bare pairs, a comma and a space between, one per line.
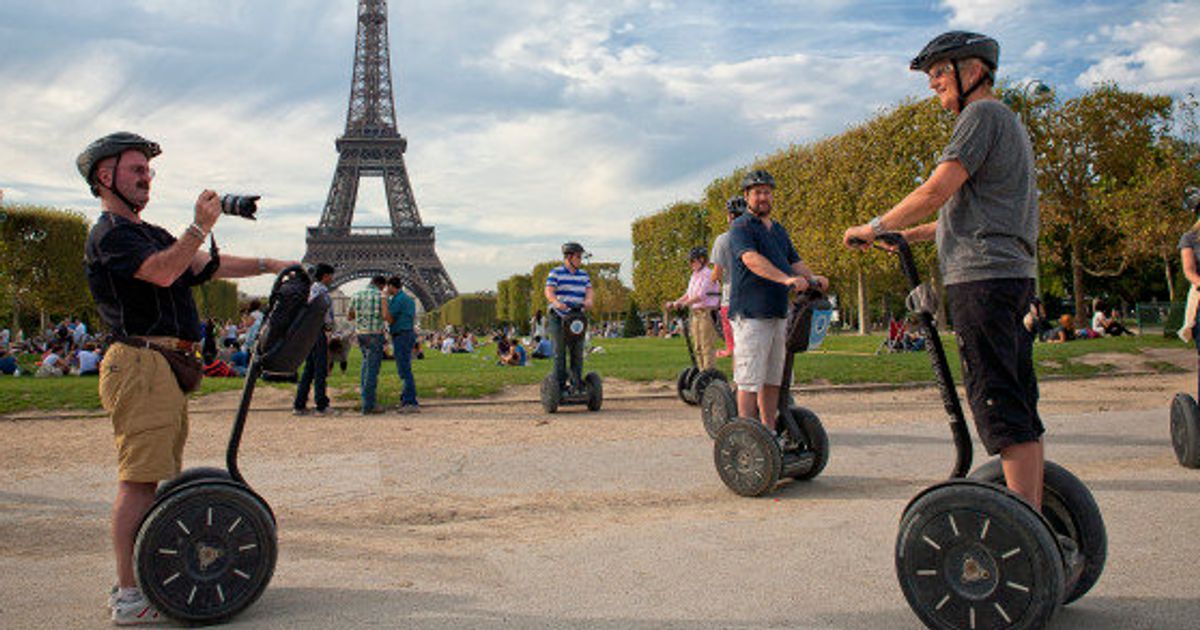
89, 360
542, 348
53, 364
510, 352
1105, 325
8, 363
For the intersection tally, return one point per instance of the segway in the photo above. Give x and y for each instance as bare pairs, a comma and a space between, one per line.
972, 554
591, 391
1185, 430
692, 381
206, 548
749, 457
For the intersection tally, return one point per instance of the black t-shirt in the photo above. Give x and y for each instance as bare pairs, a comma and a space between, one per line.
116, 249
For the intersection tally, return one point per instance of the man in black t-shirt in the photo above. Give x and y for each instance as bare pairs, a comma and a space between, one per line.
141, 278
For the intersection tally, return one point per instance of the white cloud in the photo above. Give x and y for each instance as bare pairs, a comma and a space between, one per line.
1036, 50
1160, 53
982, 15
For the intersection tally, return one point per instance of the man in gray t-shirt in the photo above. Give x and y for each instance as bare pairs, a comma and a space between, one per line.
722, 259
984, 193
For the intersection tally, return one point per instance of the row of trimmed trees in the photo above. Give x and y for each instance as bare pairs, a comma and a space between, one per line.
42, 277
1112, 169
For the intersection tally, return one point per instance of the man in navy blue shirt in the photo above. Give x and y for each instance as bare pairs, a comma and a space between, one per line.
765, 269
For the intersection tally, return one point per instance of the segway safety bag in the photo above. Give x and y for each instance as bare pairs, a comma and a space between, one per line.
808, 324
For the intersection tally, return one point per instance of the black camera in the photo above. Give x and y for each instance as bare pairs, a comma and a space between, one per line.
244, 206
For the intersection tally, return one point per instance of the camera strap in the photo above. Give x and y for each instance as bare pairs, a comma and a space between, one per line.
214, 263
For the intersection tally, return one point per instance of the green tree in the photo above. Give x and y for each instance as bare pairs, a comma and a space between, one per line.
1094, 147
41, 262
634, 326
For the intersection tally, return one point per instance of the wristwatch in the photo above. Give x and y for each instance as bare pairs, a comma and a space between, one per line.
876, 226
262, 265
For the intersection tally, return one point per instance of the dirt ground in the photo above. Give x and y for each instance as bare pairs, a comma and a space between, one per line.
494, 514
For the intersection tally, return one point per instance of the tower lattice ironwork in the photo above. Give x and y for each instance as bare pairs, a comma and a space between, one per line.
371, 146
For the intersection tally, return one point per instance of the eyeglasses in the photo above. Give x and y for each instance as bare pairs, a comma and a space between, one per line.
940, 71
142, 171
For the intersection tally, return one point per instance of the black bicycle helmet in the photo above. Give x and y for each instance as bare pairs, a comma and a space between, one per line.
736, 206
698, 253
572, 248
1191, 200
953, 46
757, 177
112, 145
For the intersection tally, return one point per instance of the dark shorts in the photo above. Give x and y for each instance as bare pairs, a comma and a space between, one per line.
997, 359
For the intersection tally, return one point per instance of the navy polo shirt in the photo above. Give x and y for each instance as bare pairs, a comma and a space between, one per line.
753, 296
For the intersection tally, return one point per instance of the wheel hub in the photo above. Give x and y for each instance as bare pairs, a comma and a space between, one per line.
972, 571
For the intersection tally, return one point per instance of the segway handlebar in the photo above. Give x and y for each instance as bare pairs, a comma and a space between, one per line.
898, 245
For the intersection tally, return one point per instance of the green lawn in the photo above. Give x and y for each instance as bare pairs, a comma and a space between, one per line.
843, 359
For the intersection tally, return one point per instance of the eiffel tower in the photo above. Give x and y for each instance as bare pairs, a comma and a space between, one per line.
371, 146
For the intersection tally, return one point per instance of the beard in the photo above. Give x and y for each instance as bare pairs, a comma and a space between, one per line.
762, 210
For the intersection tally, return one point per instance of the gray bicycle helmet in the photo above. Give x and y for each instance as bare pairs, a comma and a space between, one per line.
572, 247
698, 253
112, 145
736, 206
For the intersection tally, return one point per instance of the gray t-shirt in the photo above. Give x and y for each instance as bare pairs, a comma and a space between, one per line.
723, 257
1191, 240
989, 228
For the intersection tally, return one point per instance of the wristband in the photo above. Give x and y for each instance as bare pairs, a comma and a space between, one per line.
262, 265
197, 231
876, 226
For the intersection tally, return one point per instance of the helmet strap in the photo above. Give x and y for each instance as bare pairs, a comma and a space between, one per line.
113, 187
963, 94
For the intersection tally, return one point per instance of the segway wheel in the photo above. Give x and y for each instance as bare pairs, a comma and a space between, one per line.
595, 391
973, 555
188, 476
703, 379
817, 441
717, 407
1072, 512
683, 385
205, 552
551, 395
747, 457
1185, 430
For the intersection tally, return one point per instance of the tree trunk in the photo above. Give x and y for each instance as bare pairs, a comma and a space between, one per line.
862, 302
1170, 280
1077, 281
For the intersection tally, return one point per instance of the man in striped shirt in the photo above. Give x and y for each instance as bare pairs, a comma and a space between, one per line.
568, 286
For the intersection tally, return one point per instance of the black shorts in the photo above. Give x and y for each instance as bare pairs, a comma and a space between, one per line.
997, 359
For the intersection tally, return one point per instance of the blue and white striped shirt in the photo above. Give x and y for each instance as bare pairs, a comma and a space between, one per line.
570, 287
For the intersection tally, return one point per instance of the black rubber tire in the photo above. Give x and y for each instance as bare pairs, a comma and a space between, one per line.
683, 385
1007, 569
1072, 511
169, 554
817, 441
551, 395
703, 379
747, 457
1185, 430
188, 476
595, 391
718, 406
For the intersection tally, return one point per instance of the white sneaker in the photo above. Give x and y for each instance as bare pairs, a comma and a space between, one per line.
133, 610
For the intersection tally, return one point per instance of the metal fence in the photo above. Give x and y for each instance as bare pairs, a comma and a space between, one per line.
1166, 317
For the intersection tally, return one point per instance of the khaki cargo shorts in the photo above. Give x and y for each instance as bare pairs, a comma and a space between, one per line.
148, 411
761, 352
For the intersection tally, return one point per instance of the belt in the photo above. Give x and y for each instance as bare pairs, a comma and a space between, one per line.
171, 343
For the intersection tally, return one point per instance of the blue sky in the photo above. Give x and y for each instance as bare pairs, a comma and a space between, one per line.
528, 123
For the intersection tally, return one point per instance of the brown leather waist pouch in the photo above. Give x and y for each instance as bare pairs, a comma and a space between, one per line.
188, 370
